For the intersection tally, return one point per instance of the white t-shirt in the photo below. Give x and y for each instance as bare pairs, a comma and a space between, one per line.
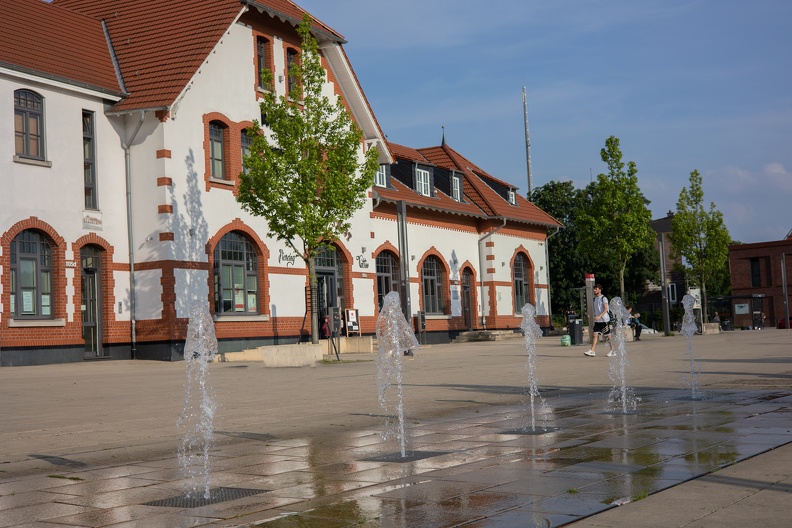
599, 306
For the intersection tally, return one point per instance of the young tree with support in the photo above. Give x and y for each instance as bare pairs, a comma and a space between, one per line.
615, 223
699, 237
306, 172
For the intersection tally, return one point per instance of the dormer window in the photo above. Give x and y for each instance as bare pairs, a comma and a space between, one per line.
381, 178
456, 188
512, 197
423, 184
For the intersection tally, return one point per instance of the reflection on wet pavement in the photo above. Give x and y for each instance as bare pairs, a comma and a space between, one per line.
472, 468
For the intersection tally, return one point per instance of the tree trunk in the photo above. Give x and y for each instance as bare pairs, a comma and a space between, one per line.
704, 314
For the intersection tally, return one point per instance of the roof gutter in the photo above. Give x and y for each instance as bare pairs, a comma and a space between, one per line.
127, 146
481, 266
294, 21
107, 93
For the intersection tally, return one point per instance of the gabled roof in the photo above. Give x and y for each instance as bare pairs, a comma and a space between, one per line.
480, 198
439, 202
44, 40
160, 45
481, 188
408, 153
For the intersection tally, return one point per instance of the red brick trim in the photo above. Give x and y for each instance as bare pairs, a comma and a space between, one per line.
166, 236
163, 153
164, 181
165, 209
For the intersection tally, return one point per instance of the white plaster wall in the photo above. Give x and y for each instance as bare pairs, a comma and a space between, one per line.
505, 246
364, 295
56, 194
121, 292
190, 285
148, 289
287, 295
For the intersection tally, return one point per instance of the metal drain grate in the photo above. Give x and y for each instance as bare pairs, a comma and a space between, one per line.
409, 456
215, 495
528, 431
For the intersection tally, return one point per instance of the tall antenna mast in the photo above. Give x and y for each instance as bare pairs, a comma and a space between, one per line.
527, 144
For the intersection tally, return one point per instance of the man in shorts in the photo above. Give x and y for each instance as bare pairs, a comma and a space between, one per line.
601, 320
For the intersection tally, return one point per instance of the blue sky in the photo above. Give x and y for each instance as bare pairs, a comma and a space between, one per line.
684, 85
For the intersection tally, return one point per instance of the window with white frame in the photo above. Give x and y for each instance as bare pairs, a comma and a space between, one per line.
521, 289
456, 188
381, 178
512, 197
432, 282
422, 182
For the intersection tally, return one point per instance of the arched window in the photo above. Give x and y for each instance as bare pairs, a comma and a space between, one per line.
29, 124
31, 276
521, 289
432, 280
235, 275
217, 150
387, 275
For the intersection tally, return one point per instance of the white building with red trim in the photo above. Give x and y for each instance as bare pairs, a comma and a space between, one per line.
121, 139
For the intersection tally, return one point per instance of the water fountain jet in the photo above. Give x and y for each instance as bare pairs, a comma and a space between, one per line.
396, 341
621, 392
197, 417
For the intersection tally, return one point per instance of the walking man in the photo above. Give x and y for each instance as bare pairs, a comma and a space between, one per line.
601, 320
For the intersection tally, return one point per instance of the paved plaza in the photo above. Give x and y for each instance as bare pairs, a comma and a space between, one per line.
95, 444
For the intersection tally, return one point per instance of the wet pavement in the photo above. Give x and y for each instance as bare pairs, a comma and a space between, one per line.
476, 462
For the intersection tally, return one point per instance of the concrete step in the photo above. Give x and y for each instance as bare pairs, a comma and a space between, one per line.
486, 335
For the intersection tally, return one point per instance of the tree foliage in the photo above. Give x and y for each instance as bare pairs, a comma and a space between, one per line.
304, 173
615, 222
568, 266
699, 237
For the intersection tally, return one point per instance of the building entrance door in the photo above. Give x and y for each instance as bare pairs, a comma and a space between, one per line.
467, 298
91, 302
326, 293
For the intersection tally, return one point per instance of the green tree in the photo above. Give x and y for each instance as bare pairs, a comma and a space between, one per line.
568, 266
699, 237
615, 223
305, 173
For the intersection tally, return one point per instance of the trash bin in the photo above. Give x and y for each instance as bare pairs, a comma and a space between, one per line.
576, 331
726, 325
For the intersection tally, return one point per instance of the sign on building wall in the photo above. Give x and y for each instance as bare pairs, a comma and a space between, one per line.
92, 220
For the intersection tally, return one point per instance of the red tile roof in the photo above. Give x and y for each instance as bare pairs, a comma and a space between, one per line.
160, 45
480, 198
43, 39
479, 188
439, 202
